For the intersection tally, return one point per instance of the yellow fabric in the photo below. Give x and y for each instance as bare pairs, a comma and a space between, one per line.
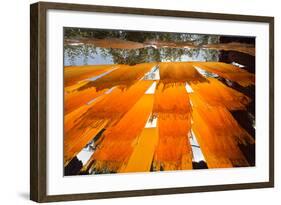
142, 156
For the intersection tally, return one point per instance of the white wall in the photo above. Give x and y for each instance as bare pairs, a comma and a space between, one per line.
14, 109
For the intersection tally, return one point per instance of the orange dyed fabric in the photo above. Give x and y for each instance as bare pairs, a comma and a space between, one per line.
120, 140
72, 146
179, 72
119, 101
106, 111
116, 103
218, 134
171, 98
76, 99
124, 76
217, 94
173, 151
228, 71
142, 156
74, 74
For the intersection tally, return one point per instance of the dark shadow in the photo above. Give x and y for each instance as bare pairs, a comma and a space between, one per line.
249, 152
73, 167
199, 165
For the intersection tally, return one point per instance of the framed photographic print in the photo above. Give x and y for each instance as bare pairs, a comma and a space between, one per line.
134, 102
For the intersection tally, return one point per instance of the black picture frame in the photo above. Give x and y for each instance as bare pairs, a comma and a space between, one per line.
38, 101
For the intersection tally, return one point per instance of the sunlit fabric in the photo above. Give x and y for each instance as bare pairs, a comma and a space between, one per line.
76, 99
218, 134
83, 125
75, 74
126, 44
136, 122
142, 155
107, 43
177, 72
229, 72
119, 141
171, 105
124, 75
217, 94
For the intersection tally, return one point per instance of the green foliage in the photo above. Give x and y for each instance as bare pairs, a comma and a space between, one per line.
141, 55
